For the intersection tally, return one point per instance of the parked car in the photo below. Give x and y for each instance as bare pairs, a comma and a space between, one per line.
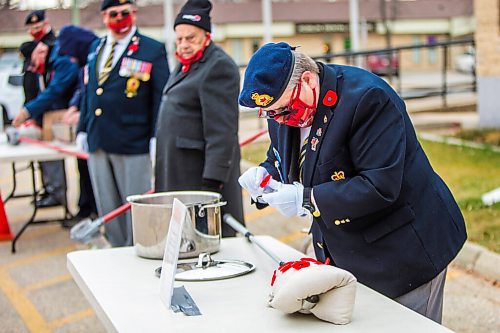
11, 86
383, 64
466, 62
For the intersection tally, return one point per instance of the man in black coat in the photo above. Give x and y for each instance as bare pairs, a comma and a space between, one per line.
197, 130
343, 149
41, 31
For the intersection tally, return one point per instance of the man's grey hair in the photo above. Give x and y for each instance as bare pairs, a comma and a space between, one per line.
302, 64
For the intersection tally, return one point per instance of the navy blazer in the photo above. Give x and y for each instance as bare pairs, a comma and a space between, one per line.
386, 216
116, 118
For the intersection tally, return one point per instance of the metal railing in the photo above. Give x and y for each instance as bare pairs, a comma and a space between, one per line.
444, 89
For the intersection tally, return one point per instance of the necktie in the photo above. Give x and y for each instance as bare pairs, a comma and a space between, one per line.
108, 65
302, 157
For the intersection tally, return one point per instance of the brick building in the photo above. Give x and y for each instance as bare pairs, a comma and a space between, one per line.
487, 38
316, 25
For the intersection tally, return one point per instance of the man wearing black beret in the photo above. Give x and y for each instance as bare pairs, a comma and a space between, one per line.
124, 81
41, 32
197, 131
343, 150
39, 28
36, 75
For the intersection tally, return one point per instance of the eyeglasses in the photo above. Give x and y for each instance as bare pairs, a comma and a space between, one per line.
271, 114
114, 13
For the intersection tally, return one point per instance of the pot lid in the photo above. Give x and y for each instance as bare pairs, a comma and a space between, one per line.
208, 269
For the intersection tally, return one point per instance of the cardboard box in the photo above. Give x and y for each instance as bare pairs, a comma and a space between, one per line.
55, 129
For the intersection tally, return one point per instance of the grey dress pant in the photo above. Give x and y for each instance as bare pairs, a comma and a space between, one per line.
426, 299
114, 177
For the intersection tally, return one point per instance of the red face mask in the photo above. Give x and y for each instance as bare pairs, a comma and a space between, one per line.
301, 114
122, 25
38, 35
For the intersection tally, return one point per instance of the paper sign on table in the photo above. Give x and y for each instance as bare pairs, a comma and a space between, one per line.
171, 254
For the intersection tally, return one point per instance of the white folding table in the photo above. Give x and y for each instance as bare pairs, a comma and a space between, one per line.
124, 291
31, 155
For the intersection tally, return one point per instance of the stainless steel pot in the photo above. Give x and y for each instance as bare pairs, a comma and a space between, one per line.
151, 217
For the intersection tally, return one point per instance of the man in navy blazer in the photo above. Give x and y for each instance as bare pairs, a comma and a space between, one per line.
343, 150
125, 76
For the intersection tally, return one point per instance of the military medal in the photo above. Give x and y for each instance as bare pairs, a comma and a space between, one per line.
132, 86
314, 143
86, 74
136, 68
134, 46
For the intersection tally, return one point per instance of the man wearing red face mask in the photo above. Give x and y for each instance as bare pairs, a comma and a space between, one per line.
197, 132
36, 78
40, 31
125, 75
343, 150
39, 28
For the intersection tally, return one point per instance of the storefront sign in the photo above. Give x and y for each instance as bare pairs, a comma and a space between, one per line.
314, 28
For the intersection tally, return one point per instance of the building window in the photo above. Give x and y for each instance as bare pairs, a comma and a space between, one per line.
255, 45
237, 51
415, 53
431, 52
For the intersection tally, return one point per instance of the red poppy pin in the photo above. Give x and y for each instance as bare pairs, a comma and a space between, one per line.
134, 46
330, 98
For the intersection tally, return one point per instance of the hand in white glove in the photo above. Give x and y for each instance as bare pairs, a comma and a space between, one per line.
286, 198
152, 149
251, 180
81, 142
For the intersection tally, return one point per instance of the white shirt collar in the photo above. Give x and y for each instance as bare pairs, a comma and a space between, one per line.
125, 40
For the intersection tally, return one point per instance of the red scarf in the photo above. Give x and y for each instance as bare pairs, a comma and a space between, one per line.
187, 62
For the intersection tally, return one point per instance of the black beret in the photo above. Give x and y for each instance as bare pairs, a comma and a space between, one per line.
35, 17
112, 3
197, 13
267, 75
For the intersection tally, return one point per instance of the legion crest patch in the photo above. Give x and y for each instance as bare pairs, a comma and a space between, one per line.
262, 100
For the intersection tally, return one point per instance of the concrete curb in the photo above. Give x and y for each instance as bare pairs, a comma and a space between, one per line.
477, 258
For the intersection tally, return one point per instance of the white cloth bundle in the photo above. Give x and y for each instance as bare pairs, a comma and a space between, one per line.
295, 281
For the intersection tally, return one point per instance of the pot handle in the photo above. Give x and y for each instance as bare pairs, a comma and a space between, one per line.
201, 211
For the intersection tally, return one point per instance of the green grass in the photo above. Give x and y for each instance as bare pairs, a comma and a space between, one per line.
468, 172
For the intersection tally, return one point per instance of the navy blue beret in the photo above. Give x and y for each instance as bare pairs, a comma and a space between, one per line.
75, 41
35, 17
267, 75
112, 3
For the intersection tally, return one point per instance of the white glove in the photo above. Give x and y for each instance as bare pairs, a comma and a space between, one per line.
81, 142
152, 149
286, 198
251, 180
335, 288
